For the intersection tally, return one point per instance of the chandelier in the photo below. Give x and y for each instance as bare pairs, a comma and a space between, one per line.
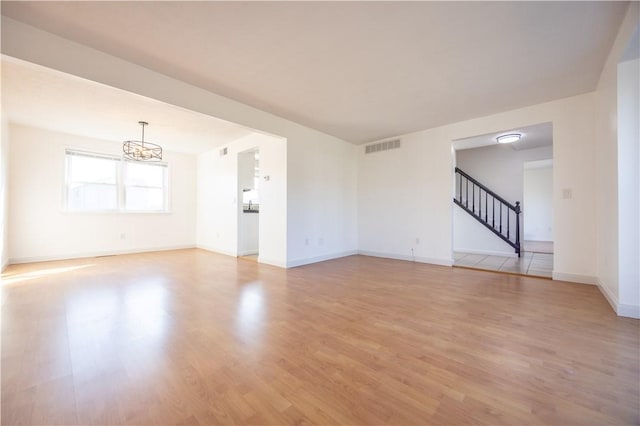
141, 150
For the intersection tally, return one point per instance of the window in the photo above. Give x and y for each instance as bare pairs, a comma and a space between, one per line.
144, 186
92, 182
96, 182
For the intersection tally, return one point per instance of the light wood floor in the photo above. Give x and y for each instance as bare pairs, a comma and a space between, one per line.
190, 337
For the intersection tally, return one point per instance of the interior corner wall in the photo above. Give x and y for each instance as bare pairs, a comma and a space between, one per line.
217, 206
310, 153
629, 187
405, 195
4, 194
322, 208
606, 136
41, 229
404, 199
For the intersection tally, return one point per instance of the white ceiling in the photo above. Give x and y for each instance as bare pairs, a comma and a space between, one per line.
40, 97
535, 136
361, 71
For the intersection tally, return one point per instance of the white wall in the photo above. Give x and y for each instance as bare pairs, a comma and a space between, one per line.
218, 201
501, 169
407, 193
320, 171
404, 199
42, 230
538, 204
469, 236
606, 136
322, 208
629, 185
4, 194
248, 234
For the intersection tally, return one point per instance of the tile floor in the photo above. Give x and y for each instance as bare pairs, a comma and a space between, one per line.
536, 264
538, 246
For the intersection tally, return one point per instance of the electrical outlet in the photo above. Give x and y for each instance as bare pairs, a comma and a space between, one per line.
567, 193
320, 241
123, 236
306, 241
417, 240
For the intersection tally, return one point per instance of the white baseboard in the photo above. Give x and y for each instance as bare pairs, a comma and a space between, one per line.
621, 309
261, 259
419, 259
272, 262
574, 278
487, 252
607, 295
32, 259
315, 259
629, 311
248, 252
216, 250
5, 263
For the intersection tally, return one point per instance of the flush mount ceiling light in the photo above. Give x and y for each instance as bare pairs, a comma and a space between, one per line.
510, 138
141, 150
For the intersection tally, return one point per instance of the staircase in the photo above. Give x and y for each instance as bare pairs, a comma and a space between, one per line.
494, 212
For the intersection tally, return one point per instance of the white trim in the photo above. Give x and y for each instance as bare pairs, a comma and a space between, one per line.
4, 265
229, 253
487, 252
629, 311
621, 309
216, 250
277, 263
308, 260
574, 278
248, 252
607, 295
32, 259
432, 261
115, 212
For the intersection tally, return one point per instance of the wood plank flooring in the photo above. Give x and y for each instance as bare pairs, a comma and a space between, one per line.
191, 337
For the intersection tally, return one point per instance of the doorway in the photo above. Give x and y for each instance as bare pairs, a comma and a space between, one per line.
498, 235
249, 205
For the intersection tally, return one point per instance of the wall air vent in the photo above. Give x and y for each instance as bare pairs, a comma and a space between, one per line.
382, 146
223, 152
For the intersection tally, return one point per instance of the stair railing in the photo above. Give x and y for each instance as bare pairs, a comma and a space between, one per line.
488, 208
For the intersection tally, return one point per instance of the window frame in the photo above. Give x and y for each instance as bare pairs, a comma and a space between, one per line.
120, 164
